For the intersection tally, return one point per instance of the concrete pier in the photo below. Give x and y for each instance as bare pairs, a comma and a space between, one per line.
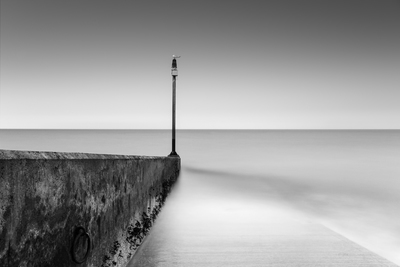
75, 209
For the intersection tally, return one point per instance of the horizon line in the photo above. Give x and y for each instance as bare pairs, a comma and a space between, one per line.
209, 129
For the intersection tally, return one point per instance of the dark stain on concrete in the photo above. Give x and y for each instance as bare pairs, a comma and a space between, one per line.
44, 196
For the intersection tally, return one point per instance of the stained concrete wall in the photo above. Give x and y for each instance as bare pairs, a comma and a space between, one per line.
59, 209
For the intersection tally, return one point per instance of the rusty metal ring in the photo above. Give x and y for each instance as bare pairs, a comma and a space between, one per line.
81, 238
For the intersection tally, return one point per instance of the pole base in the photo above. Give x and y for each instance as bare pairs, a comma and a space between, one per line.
173, 154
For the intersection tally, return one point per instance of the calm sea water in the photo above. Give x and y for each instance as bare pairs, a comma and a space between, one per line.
349, 181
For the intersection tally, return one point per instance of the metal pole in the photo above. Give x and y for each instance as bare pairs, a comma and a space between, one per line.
173, 114
174, 72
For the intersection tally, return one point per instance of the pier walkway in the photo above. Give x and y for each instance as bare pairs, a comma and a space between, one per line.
209, 225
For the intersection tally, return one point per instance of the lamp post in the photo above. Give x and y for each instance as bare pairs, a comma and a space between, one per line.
174, 73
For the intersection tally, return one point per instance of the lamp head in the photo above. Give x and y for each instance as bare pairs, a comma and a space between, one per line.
174, 69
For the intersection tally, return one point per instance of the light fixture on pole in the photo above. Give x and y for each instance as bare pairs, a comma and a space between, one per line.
174, 73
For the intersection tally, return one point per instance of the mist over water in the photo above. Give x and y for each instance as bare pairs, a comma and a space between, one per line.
348, 181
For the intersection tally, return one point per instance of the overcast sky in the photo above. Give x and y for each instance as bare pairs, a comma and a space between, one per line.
245, 64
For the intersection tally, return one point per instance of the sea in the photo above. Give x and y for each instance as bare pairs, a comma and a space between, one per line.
346, 180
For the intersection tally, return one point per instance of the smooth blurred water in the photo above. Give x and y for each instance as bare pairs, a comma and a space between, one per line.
347, 180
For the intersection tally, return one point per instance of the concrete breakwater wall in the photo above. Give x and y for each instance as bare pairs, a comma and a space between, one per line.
75, 209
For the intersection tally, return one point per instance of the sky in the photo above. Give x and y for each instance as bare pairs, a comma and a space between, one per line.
283, 64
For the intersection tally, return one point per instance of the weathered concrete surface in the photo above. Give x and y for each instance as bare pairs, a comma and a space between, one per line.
46, 196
